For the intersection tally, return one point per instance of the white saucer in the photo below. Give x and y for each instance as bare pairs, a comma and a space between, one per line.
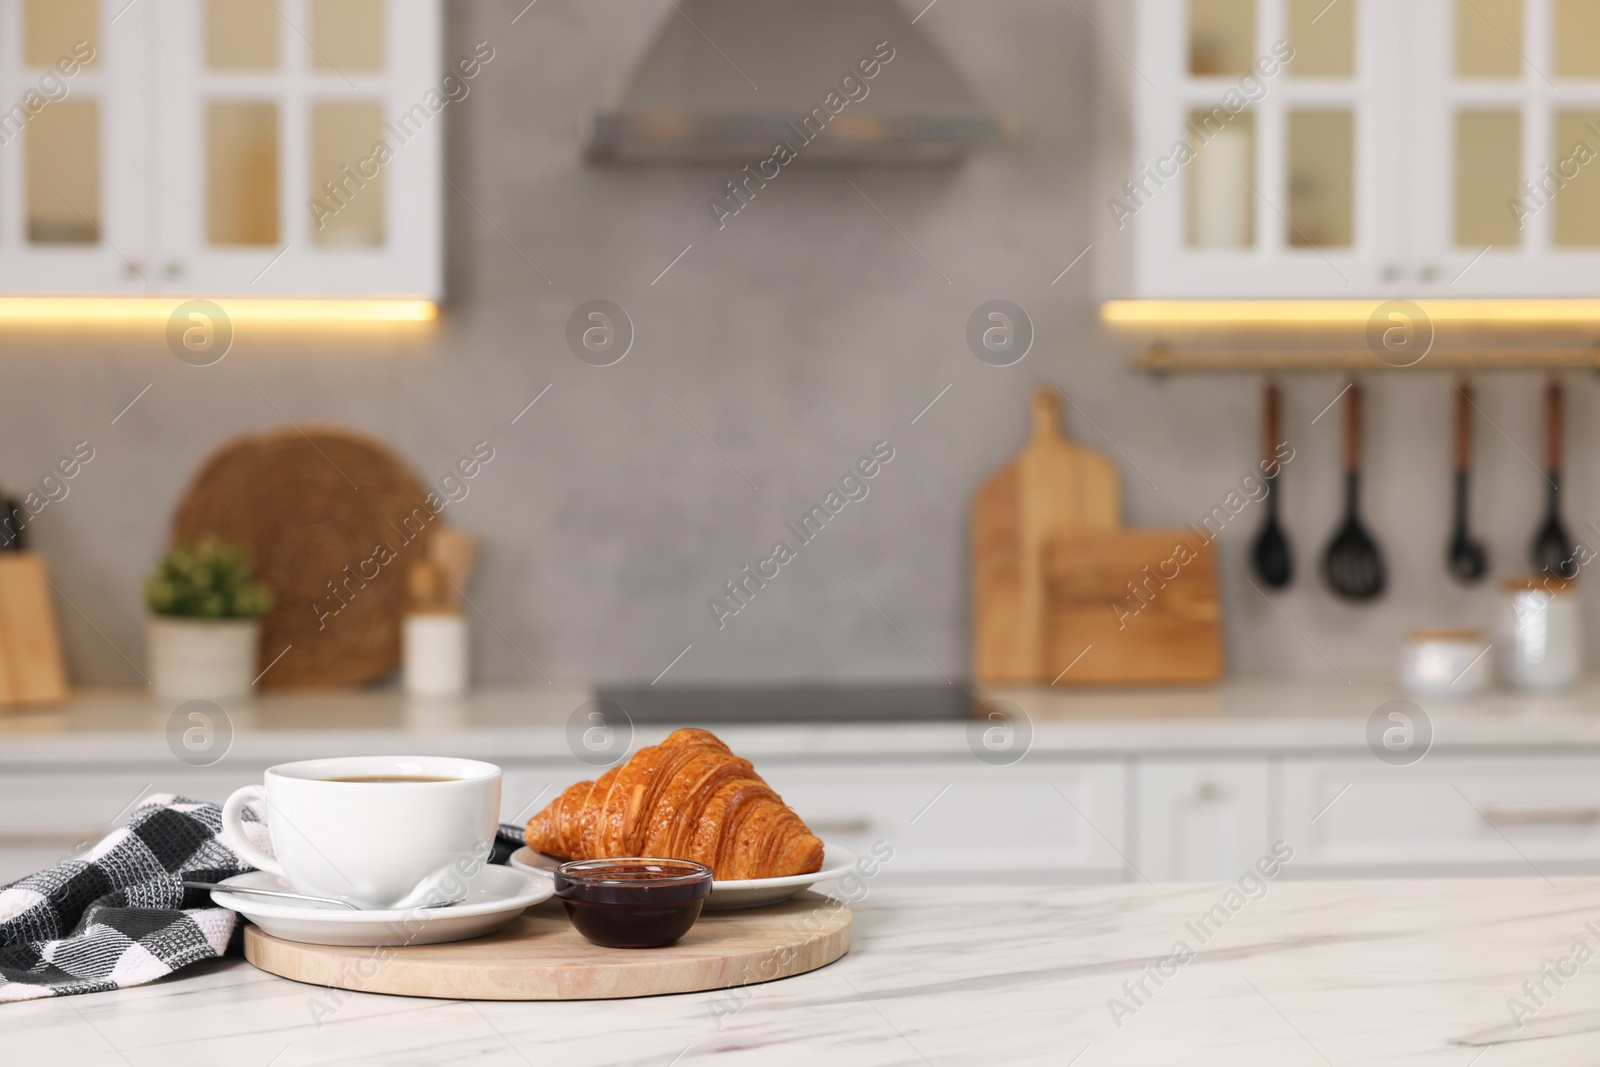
495, 897
729, 894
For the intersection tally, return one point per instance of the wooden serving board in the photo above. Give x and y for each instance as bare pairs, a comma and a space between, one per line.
541, 957
333, 520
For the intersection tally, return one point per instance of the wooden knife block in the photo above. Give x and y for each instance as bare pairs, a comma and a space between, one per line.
31, 667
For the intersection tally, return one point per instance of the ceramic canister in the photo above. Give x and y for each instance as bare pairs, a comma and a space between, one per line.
1444, 663
1541, 634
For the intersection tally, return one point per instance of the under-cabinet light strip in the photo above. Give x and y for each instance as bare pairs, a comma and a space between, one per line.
69, 310
1341, 312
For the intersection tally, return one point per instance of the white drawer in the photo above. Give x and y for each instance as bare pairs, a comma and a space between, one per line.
947, 820
964, 820
50, 815
1454, 814
17, 861
62, 806
1201, 820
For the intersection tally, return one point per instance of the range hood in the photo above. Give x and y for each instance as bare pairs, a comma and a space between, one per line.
726, 81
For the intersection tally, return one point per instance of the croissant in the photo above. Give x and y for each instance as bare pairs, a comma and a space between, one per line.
687, 798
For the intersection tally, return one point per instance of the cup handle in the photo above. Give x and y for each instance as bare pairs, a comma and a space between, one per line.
233, 834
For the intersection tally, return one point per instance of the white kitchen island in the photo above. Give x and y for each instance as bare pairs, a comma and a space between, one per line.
1312, 973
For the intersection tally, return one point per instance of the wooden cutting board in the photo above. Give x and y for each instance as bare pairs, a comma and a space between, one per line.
1132, 607
32, 670
1057, 583
541, 957
1053, 488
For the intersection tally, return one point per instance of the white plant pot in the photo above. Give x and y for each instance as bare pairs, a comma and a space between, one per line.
202, 659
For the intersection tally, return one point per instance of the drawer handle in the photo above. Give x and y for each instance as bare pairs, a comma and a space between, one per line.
839, 826
1541, 816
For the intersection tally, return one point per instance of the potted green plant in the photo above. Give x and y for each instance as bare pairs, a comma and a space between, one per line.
204, 628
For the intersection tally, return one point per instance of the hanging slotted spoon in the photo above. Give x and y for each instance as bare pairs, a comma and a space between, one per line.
1553, 550
1353, 565
1273, 559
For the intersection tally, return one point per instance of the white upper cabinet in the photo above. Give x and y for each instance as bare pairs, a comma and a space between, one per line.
69, 126
1360, 148
1507, 148
221, 147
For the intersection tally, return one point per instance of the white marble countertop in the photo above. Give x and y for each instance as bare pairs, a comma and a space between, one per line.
1316, 973
530, 723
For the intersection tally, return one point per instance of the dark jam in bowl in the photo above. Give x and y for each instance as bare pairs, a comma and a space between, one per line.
633, 903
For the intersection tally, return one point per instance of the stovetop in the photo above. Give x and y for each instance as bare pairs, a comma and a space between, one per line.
791, 703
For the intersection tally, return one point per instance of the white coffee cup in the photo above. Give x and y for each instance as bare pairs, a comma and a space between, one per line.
377, 844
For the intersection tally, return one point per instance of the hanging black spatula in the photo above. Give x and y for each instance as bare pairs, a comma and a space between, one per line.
1353, 565
1466, 557
1553, 551
1273, 559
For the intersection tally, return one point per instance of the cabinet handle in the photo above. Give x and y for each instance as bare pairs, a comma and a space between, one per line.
1541, 816
839, 826
1392, 272
1429, 273
174, 269
1209, 791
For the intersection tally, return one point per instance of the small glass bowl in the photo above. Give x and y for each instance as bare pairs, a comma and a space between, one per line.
635, 902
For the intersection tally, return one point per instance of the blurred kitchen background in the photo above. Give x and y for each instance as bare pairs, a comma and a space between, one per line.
293, 289
794, 338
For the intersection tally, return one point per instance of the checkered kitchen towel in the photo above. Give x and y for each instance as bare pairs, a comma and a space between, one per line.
118, 915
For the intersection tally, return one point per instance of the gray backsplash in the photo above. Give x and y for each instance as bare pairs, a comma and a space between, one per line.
795, 338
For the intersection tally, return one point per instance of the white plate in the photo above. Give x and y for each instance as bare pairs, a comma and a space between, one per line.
729, 894
495, 897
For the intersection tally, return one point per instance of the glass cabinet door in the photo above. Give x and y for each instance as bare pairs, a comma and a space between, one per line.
71, 125
1508, 129
1267, 141
301, 149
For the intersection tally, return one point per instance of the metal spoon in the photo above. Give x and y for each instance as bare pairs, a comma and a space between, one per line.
1353, 565
1553, 550
1273, 559
1467, 559
219, 888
